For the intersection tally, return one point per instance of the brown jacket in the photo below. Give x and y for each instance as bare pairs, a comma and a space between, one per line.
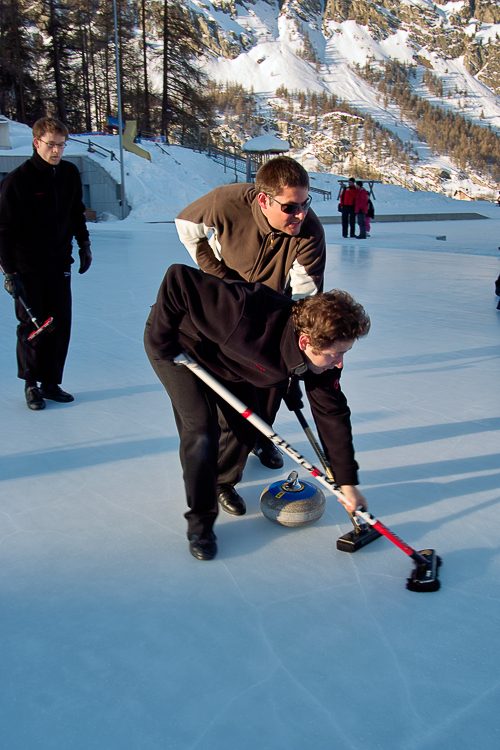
227, 235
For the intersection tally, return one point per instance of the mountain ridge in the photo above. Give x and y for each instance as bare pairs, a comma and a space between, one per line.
315, 46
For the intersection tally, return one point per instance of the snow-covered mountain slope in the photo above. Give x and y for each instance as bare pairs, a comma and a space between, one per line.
159, 189
315, 46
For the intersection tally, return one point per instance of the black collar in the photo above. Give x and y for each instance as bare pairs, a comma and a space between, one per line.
290, 351
43, 165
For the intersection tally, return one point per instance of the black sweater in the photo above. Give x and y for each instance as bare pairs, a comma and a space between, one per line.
244, 332
41, 210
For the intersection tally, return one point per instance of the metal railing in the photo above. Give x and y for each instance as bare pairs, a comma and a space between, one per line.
163, 150
327, 194
92, 148
230, 159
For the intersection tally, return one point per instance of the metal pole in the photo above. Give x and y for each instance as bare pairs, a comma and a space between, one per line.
119, 93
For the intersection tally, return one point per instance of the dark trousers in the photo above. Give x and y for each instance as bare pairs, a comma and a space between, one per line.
362, 225
214, 439
348, 221
269, 403
48, 294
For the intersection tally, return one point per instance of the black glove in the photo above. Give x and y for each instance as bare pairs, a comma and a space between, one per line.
14, 286
293, 395
85, 257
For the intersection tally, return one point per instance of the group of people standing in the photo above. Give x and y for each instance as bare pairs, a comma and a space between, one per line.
253, 313
256, 317
355, 202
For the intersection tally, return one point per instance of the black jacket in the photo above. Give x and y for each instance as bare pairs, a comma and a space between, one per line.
244, 332
41, 210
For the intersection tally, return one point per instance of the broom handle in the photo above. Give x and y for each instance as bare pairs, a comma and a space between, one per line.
32, 317
213, 383
394, 538
315, 444
324, 461
185, 359
23, 303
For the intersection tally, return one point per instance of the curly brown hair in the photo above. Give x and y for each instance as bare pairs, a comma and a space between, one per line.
330, 317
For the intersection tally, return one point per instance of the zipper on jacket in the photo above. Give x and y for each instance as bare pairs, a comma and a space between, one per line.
262, 252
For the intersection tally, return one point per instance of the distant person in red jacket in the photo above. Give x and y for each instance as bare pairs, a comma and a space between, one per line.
361, 208
348, 209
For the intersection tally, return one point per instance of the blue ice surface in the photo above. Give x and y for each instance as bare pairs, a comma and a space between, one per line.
113, 637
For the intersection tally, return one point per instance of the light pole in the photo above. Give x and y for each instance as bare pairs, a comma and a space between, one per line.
118, 89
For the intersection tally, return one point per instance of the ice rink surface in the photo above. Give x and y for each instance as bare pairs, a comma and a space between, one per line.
113, 637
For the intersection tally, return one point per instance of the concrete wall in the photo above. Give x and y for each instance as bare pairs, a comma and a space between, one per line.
100, 191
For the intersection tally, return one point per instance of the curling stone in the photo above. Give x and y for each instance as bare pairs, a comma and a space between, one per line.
292, 503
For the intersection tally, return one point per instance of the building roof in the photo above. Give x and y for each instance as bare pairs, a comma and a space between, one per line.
265, 144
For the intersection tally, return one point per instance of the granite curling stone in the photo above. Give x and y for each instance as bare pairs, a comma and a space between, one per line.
292, 503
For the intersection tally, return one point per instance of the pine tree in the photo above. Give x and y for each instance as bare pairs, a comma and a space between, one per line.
57, 24
20, 95
184, 104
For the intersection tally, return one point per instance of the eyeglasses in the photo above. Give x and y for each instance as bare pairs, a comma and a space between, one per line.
52, 146
293, 208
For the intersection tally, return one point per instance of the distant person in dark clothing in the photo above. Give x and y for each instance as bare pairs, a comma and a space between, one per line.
348, 208
41, 210
369, 216
361, 208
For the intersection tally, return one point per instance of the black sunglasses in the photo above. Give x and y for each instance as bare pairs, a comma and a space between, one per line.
293, 208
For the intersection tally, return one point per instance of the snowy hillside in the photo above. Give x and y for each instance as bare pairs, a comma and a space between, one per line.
159, 189
307, 45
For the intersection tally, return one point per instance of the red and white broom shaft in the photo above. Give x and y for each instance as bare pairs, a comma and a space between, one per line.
391, 536
239, 406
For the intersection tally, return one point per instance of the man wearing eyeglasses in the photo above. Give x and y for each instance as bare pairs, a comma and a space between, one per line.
264, 232
41, 211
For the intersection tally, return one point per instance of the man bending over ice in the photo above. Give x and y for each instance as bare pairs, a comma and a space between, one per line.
248, 336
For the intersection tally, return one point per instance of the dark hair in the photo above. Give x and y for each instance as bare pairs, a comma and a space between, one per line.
49, 125
279, 173
351, 179
330, 317
359, 183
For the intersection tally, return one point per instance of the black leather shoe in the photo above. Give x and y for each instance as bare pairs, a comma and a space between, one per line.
203, 546
34, 398
56, 394
269, 455
231, 502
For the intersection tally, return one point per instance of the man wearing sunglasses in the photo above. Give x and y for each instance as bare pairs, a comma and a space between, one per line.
41, 211
263, 232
